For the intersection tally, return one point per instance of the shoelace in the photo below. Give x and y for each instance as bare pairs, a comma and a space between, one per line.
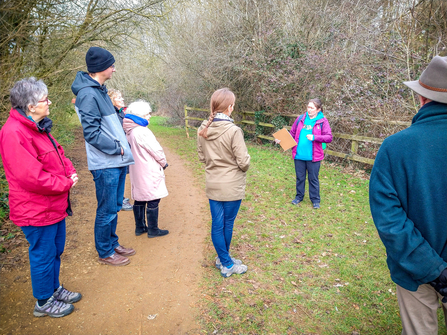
64, 294
55, 305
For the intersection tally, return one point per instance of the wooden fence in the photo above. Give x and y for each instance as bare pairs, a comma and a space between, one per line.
192, 118
355, 139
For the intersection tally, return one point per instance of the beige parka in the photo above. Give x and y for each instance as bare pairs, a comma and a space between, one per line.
226, 160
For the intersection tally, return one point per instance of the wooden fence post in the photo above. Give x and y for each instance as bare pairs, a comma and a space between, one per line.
355, 144
186, 122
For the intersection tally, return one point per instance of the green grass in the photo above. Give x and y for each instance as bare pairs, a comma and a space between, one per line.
310, 271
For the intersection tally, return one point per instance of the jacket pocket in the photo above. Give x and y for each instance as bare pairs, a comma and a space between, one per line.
121, 149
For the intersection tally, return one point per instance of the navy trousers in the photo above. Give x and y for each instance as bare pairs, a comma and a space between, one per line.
46, 245
313, 169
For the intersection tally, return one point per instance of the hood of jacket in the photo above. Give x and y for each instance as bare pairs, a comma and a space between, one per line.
103, 133
216, 129
83, 80
44, 125
129, 125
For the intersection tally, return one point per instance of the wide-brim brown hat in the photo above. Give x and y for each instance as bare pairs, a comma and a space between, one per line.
433, 81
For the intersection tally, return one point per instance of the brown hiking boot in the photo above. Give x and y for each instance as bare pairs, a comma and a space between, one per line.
116, 260
125, 251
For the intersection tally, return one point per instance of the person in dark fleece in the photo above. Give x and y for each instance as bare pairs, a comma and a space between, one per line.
408, 199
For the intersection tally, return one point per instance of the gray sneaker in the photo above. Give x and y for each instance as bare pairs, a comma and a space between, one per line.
53, 308
127, 206
235, 269
67, 296
219, 264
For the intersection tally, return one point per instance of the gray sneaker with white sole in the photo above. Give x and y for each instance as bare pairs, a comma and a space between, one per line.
53, 308
219, 264
235, 269
127, 206
67, 296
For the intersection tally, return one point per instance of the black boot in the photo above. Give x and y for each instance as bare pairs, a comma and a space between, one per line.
152, 223
140, 224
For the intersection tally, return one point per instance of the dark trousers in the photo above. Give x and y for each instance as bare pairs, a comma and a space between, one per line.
150, 204
46, 245
109, 185
313, 169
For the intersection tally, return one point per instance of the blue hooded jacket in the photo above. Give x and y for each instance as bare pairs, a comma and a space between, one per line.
103, 133
408, 198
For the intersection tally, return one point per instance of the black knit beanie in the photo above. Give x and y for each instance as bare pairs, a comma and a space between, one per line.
98, 59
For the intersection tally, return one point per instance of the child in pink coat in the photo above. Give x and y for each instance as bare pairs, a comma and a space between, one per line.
146, 176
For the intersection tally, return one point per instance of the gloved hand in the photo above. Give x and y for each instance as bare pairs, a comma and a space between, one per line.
164, 167
310, 137
440, 284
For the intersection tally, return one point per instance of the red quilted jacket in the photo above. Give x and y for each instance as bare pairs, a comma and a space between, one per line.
38, 175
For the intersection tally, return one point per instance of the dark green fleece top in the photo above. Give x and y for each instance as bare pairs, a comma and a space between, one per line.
408, 198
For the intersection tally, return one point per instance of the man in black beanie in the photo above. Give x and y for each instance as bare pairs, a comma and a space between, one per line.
108, 153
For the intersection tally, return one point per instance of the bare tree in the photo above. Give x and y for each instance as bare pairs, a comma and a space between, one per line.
48, 38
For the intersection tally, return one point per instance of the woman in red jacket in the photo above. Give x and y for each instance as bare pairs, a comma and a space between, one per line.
40, 178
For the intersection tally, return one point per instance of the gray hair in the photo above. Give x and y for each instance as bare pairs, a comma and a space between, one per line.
27, 92
139, 108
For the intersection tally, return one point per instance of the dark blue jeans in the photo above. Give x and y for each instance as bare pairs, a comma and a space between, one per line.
109, 194
313, 169
46, 245
223, 214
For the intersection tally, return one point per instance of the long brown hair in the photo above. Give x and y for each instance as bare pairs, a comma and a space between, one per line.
220, 101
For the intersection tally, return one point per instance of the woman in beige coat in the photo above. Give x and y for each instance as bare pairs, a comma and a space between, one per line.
146, 176
221, 146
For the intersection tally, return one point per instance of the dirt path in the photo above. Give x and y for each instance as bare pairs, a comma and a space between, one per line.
161, 280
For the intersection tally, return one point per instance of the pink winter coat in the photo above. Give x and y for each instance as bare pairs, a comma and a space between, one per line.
146, 176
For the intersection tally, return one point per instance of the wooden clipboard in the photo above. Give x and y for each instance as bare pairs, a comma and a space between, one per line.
287, 140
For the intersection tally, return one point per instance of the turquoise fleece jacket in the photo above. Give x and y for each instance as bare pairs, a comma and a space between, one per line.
408, 198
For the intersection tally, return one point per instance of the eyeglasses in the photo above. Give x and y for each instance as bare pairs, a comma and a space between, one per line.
112, 66
47, 100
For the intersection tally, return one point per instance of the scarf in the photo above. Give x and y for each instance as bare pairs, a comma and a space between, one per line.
138, 120
222, 117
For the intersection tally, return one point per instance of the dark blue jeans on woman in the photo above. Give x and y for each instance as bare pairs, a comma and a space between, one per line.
313, 169
223, 214
46, 245
109, 185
